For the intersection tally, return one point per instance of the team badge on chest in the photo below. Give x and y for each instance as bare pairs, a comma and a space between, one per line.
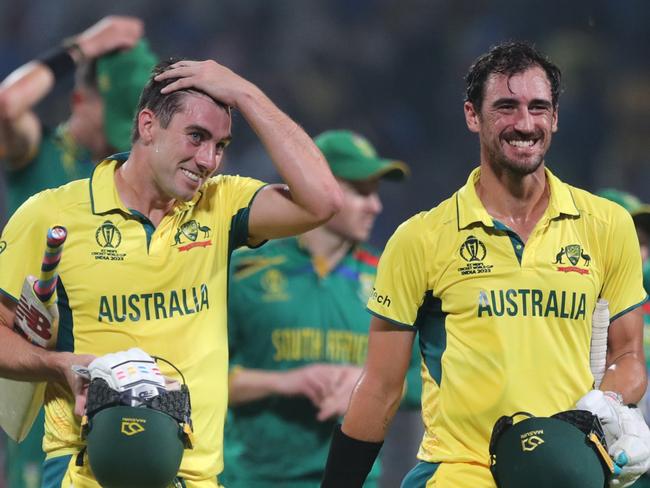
577, 260
187, 234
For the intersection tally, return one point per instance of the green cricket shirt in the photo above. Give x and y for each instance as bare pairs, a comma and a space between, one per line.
58, 161
283, 315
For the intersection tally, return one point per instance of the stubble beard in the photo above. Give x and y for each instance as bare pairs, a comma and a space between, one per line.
522, 167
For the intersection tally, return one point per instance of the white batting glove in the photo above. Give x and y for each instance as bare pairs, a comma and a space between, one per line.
632, 450
605, 406
132, 371
627, 435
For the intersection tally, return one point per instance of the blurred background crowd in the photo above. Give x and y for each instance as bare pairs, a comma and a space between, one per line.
393, 71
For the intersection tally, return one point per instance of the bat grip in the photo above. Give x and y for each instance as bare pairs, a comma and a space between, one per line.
45, 286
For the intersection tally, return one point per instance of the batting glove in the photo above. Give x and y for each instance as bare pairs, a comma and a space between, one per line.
627, 435
132, 371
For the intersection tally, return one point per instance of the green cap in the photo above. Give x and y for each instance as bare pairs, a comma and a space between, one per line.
352, 157
134, 447
545, 452
626, 200
641, 217
121, 76
640, 212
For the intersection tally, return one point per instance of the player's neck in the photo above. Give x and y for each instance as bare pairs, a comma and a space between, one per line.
514, 200
326, 248
137, 192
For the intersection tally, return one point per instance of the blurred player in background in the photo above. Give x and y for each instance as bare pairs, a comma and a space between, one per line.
147, 253
500, 281
102, 107
298, 330
111, 65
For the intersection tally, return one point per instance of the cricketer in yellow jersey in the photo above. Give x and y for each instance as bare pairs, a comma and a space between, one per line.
501, 281
146, 261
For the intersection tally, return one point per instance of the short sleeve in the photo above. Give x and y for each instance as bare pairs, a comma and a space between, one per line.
623, 280
237, 195
401, 281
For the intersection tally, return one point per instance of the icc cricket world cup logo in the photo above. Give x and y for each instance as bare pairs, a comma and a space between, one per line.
472, 250
108, 236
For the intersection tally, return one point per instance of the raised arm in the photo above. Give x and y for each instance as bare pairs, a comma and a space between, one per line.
311, 195
20, 129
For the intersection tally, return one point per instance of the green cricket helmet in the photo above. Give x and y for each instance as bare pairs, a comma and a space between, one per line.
565, 450
135, 446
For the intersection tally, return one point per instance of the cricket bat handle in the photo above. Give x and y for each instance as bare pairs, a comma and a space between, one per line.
45, 286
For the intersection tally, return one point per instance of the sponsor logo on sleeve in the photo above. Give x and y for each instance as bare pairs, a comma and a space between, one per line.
380, 299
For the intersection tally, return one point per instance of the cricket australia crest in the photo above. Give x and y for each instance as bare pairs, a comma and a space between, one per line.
574, 253
187, 234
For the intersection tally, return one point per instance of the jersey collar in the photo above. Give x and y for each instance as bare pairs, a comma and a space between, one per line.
103, 192
470, 209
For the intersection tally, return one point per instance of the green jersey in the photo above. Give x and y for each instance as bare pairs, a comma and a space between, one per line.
284, 315
58, 161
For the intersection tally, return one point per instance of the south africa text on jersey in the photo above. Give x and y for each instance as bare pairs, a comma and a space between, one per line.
532, 303
153, 306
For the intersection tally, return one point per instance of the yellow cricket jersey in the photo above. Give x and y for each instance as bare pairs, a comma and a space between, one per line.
504, 326
125, 284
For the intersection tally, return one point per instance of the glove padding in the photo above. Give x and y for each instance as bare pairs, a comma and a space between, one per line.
132, 371
627, 435
605, 406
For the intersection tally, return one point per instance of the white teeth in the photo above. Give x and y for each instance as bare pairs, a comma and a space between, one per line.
190, 175
521, 143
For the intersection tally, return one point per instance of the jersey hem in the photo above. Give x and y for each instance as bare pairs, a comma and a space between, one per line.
9, 295
620, 314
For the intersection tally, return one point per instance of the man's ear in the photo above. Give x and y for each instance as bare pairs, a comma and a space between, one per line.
147, 123
472, 117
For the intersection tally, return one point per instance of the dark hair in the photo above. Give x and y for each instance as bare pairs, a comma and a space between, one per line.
164, 106
508, 58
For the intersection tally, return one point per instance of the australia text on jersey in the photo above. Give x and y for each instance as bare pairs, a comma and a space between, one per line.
532, 303
153, 306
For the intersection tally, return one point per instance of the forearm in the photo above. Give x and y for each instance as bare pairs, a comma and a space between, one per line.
20, 129
372, 407
20, 360
627, 376
24, 88
296, 158
248, 385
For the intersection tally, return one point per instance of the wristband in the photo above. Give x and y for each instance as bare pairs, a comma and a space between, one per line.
349, 461
59, 60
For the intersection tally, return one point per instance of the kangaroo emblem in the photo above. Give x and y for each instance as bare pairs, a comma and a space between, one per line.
558, 257
191, 230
